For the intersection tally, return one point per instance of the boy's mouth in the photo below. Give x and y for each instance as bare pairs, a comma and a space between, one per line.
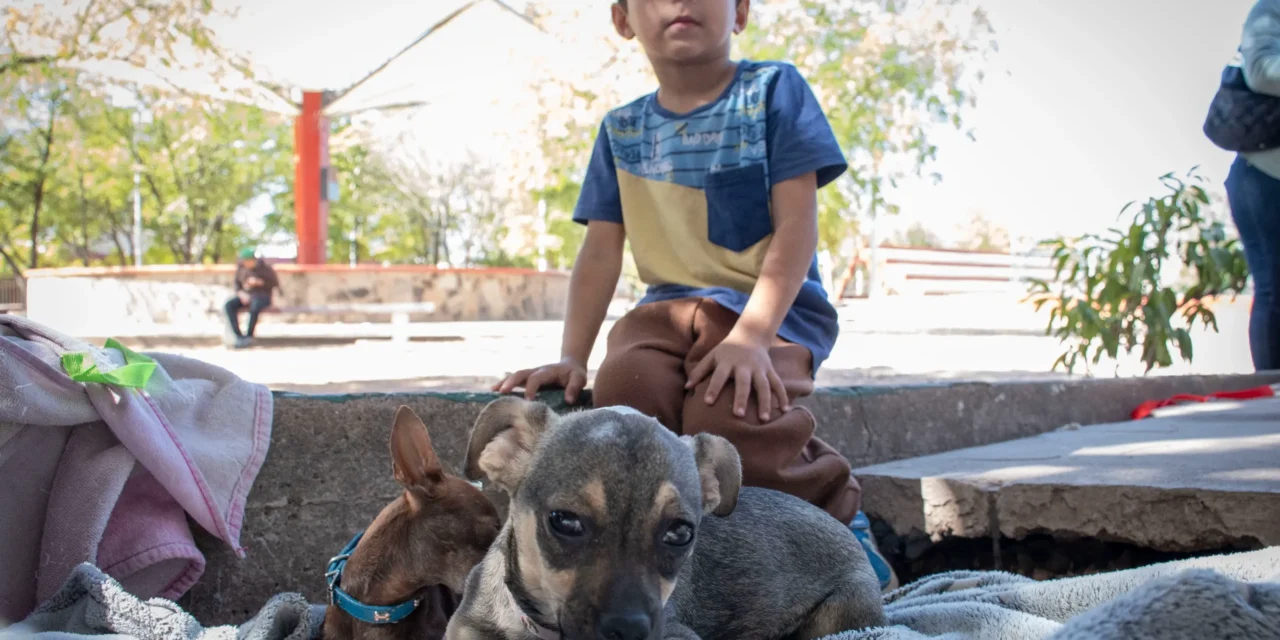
683, 21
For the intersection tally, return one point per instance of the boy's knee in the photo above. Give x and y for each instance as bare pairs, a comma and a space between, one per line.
643, 366
783, 431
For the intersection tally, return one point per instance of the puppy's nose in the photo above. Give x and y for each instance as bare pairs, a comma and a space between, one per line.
625, 625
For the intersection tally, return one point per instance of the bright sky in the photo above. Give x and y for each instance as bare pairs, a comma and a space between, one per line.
1098, 97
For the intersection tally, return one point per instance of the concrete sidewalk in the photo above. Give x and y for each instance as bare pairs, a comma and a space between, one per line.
890, 341
1197, 478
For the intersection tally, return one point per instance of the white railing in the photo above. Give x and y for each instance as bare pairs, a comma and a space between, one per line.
910, 271
12, 296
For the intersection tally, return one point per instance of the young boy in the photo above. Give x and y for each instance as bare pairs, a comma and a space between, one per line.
714, 180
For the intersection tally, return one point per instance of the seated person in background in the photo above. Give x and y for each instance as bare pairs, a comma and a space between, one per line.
255, 281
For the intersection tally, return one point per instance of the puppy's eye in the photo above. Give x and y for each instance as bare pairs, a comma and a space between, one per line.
566, 523
678, 534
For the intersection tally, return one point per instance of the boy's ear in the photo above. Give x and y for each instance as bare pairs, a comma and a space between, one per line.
743, 16
622, 23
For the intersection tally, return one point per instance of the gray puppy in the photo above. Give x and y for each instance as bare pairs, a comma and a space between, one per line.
606, 539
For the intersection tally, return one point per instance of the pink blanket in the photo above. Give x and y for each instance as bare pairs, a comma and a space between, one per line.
108, 475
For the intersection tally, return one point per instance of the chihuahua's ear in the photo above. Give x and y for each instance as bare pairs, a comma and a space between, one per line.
413, 460
503, 439
720, 469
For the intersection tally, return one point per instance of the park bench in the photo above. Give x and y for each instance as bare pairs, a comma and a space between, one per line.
915, 271
399, 312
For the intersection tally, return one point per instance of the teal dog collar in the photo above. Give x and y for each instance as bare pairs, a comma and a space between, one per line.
356, 609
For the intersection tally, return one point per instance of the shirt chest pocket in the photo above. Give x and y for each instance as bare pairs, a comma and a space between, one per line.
738, 207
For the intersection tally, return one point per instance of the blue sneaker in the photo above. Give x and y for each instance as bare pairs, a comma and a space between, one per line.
861, 528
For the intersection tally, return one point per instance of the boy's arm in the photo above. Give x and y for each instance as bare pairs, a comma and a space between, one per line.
786, 262
744, 354
594, 279
591, 287
804, 156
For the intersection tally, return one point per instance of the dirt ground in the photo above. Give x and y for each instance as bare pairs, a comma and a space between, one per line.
890, 341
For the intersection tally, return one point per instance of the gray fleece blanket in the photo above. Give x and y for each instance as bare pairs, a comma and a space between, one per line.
1225, 597
91, 603
1232, 597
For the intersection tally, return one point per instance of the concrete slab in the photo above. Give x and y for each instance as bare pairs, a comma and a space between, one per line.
1188, 481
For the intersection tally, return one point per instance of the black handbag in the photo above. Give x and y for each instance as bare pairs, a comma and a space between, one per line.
1241, 119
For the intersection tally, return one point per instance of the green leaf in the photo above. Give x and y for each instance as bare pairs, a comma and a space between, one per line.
1116, 303
1183, 339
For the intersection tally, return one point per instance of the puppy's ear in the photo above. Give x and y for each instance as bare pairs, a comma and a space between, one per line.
413, 459
720, 469
503, 439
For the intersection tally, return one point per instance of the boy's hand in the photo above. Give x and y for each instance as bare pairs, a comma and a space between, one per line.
567, 374
746, 359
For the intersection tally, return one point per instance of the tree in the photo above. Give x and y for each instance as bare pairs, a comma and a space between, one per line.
982, 234
137, 33
888, 73
37, 104
67, 154
98, 219
201, 160
66, 174
917, 236
1113, 292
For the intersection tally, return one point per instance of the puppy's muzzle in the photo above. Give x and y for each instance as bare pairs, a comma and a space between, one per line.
625, 625
632, 609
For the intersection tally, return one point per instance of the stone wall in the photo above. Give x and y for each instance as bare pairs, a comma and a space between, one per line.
189, 299
328, 471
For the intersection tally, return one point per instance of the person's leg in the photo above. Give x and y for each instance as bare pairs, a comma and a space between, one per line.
233, 307
1255, 206
781, 453
644, 366
256, 305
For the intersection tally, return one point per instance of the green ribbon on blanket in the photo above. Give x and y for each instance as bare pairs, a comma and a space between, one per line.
135, 373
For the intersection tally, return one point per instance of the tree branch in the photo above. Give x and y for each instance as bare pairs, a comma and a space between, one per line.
24, 61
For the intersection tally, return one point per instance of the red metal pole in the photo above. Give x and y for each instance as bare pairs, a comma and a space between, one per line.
311, 143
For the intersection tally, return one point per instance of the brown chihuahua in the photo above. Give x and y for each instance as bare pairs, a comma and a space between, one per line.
401, 577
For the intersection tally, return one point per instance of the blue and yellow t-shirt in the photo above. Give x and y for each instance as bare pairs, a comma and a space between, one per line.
693, 191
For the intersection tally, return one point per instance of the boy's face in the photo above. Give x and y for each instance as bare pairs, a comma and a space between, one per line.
681, 31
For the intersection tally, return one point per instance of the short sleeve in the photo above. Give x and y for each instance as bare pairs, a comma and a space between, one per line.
799, 137
599, 199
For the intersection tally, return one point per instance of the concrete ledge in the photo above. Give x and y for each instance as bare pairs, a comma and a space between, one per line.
1184, 483
328, 470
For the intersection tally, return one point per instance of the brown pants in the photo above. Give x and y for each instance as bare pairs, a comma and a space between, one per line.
653, 349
